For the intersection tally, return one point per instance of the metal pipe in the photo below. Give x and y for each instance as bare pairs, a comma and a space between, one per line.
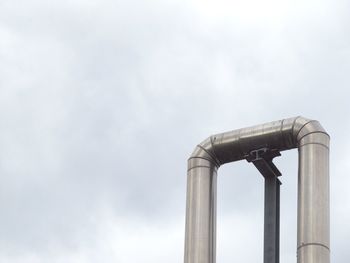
201, 212
313, 199
313, 184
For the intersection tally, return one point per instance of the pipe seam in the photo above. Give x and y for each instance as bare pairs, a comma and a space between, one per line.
294, 122
313, 244
313, 133
313, 143
303, 126
282, 133
203, 158
198, 166
217, 163
213, 150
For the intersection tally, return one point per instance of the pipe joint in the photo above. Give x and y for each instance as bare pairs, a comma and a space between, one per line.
304, 127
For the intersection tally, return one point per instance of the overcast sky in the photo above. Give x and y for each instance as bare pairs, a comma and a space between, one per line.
102, 102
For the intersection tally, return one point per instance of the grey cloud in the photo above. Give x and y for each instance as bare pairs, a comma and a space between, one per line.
101, 104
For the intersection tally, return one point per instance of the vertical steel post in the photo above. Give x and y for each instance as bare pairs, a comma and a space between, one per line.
271, 219
262, 159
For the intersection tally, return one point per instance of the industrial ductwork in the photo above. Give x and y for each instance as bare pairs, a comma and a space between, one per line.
259, 144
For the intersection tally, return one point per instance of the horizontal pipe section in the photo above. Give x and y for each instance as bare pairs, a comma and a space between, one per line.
236, 145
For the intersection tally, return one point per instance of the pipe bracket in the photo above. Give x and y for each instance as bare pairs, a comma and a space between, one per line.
262, 159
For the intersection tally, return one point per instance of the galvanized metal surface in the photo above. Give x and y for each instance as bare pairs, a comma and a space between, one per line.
313, 199
313, 184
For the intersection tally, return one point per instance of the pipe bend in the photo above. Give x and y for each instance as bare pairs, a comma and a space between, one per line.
303, 127
204, 153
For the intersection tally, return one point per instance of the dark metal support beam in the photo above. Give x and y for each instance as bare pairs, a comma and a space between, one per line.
272, 220
262, 159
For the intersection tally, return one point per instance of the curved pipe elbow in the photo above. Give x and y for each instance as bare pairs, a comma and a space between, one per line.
306, 131
204, 155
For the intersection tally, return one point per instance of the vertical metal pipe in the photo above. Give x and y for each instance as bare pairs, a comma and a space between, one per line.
313, 199
201, 213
